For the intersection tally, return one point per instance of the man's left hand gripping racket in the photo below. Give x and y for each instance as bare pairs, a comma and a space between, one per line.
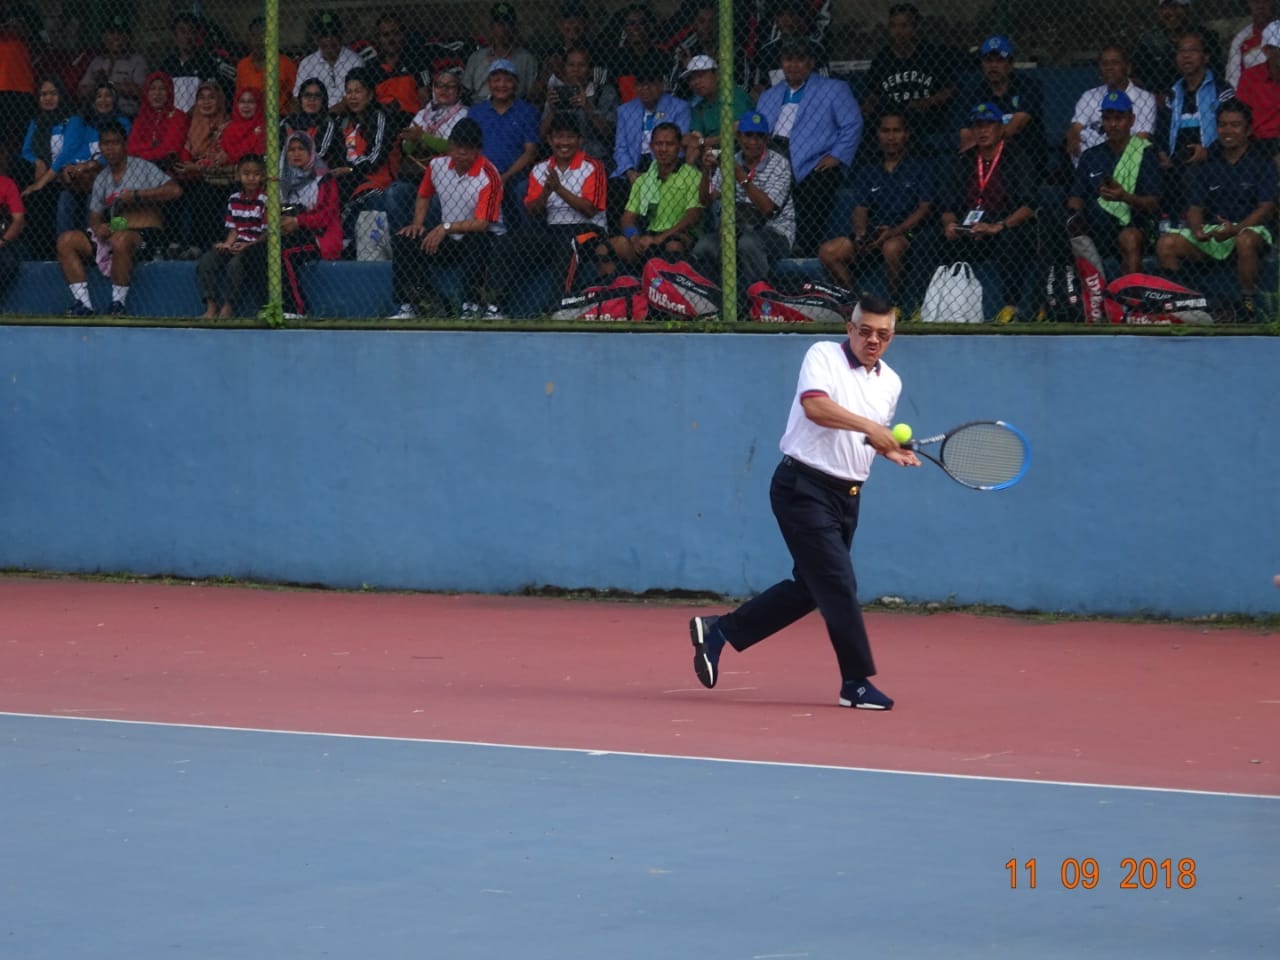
981, 455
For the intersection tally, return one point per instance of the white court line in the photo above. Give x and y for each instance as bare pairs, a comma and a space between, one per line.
589, 752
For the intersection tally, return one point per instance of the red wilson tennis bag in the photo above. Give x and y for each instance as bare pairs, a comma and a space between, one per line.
622, 300
679, 290
1144, 298
812, 305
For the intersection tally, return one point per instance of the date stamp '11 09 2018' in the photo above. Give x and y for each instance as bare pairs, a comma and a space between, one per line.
1145, 873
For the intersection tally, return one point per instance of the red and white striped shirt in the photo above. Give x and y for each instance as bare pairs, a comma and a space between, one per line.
474, 194
247, 216
585, 176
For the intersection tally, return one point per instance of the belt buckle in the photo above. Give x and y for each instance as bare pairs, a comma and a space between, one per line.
853, 489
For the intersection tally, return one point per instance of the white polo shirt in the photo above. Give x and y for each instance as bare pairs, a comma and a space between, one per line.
830, 369
332, 75
474, 194
585, 177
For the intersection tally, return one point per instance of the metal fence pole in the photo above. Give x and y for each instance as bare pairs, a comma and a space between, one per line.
728, 213
272, 312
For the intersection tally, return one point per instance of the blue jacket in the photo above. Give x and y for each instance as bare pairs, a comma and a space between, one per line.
80, 142
630, 131
828, 122
28, 148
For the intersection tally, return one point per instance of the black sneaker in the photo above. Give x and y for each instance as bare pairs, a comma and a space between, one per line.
708, 641
117, 309
1247, 311
861, 695
78, 309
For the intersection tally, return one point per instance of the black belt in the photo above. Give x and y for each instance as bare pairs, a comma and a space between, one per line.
838, 484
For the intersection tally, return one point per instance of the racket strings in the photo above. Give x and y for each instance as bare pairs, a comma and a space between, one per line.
985, 454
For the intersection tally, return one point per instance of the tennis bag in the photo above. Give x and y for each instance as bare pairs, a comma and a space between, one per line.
815, 303
621, 300
1142, 298
677, 289
1074, 278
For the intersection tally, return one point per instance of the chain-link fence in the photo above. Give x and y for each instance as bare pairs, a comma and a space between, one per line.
1016, 162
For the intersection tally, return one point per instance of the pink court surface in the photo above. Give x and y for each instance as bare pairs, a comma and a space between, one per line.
1159, 705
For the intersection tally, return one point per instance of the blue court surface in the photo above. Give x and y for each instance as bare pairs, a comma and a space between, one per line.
144, 841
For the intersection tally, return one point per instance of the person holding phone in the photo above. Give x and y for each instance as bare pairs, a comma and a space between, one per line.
576, 89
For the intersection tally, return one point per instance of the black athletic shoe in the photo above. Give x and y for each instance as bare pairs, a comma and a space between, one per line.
78, 309
708, 641
118, 309
861, 695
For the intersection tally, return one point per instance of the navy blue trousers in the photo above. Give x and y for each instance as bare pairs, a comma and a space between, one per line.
817, 521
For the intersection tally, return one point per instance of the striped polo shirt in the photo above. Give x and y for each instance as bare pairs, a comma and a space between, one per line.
474, 194
247, 216
585, 177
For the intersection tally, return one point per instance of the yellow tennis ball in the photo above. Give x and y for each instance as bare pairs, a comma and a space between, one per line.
901, 432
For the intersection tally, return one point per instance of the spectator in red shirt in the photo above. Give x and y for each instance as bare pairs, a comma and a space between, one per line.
161, 128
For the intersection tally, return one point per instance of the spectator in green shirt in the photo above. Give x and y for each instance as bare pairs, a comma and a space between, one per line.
704, 109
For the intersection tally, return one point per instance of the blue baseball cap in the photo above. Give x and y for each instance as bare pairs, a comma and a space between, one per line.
1118, 101
753, 122
997, 44
986, 112
506, 66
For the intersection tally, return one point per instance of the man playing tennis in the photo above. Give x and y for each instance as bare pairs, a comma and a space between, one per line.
845, 398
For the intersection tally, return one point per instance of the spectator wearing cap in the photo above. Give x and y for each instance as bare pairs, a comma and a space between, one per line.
700, 39
503, 48
1231, 208
1086, 129
704, 110
330, 62
765, 214
791, 19
1019, 98
469, 189
1155, 65
251, 70
920, 78
816, 122
189, 63
893, 195
1254, 69
572, 27
511, 137
119, 65
577, 90
564, 207
990, 203
1117, 185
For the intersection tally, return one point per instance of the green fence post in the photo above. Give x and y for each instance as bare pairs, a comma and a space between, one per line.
728, 213
272, 312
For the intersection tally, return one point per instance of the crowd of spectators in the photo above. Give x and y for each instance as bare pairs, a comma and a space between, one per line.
498, 157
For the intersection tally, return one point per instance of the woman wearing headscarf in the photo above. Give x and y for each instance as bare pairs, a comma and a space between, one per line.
425, 137
313, 118
247, 131
160, 131
45, 141
310, 224
80, 161
201, 169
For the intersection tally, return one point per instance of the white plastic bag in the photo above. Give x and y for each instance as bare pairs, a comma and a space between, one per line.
373, 238
954, 295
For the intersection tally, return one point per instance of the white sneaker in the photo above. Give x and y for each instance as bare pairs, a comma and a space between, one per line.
295, 316
470, 309
405, 312
493, 312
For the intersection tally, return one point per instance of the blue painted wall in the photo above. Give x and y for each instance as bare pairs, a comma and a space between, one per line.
491, 461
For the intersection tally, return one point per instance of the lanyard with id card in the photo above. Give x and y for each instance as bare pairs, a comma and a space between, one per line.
984, 177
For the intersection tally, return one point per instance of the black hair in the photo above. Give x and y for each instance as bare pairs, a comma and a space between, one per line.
116, 127
249, 158
1236, 105
467, 133
564, 122
892, 109
667, 125
907, 8
874, 303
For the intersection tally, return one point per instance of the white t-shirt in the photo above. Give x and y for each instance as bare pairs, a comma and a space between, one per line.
829, 369
332, 75
1089, 115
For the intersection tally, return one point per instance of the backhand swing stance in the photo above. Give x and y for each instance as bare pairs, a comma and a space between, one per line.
845, 398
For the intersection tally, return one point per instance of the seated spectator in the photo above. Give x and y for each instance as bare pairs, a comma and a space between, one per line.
470, 192
251, 70
1257, 74
701, 39
564, 206
126, 216
425, 137
13, 218
663, 210
893, 196
503, 48
310, 225
572, 29
401, 76
637, 120
312, 117
1187, 126
703, 79
205, 175
1232, 208
909, 74
80, 161
1086, 130
817, 125
246, 132
330, 62
990, 203
189, 64
790, 19
364, 171
764, 213
119, 65
19, 30
1019, 98
160, 130
241, 256
633, 47
41, 148
1155, 56
509, 129
1117, 186
594, 103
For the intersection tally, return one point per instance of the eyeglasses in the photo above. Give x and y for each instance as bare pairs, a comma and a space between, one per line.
444, 85
307, 94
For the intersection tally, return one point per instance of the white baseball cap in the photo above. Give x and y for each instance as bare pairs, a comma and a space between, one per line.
699, 63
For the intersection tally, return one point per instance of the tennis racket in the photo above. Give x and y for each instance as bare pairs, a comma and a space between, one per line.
981, 455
